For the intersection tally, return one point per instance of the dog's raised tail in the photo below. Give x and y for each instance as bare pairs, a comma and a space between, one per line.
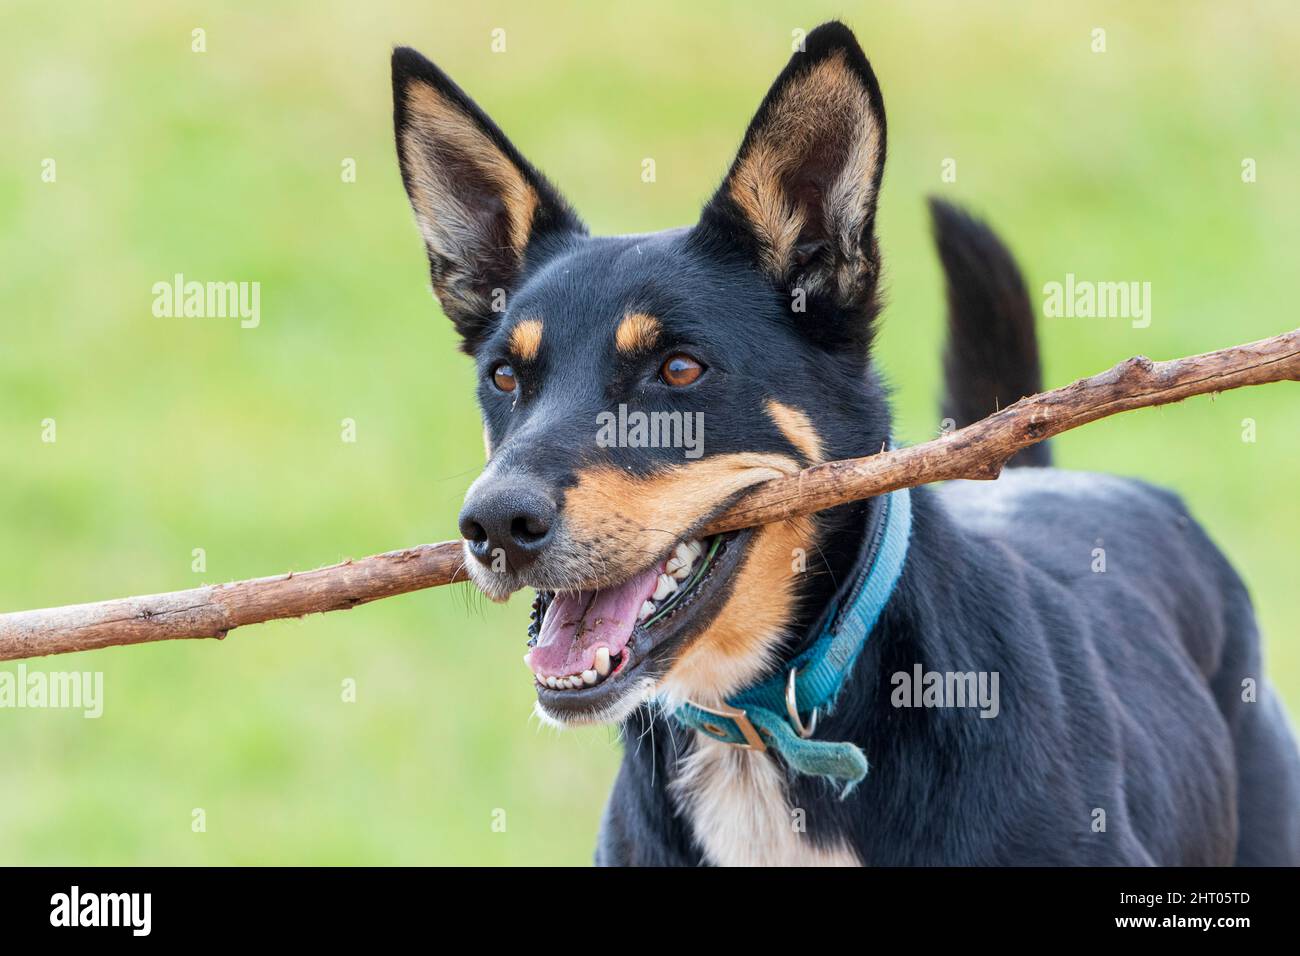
991, 356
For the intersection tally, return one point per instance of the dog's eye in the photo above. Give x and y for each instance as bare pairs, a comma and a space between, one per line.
503, 377
680, 370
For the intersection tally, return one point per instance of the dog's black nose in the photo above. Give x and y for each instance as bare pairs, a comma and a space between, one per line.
511, 522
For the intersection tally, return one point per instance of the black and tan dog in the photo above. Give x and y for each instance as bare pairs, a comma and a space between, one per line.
1131, 722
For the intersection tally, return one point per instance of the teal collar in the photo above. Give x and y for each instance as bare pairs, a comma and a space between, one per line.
768, 715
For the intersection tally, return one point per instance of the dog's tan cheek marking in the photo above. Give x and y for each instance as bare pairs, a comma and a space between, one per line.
526, 339
741, 642
736, 800
637, 332
798, 430
629, 519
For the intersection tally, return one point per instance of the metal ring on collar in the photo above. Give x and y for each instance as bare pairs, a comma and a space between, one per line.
792, 708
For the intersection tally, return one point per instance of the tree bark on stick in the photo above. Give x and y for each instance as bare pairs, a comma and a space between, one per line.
977, 451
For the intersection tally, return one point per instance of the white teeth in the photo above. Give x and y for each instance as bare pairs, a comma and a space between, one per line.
677, 569
587, 678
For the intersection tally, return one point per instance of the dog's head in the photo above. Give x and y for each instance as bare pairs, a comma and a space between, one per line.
633, 386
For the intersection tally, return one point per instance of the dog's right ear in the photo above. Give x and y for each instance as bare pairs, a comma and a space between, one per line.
801, 195
482, 209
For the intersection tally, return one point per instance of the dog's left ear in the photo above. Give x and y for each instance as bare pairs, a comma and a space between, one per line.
801, 194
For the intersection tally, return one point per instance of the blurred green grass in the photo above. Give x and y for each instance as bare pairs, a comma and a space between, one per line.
175, 434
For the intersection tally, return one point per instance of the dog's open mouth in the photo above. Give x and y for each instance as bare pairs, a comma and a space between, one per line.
587, 646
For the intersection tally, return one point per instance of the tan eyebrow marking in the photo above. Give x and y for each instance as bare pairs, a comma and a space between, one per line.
797, 428
637, 332
526, 339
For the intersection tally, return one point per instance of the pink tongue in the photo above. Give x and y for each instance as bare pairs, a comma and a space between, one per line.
577, 622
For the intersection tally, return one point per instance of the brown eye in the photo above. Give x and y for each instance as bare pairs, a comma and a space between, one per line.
680, 370
503, 377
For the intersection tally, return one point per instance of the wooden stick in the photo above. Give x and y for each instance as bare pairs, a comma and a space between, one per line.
978, 452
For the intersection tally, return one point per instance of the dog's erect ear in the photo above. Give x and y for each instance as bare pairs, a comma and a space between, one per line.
801, 195
483, 210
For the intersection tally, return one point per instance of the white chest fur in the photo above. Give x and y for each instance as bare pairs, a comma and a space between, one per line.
740, 813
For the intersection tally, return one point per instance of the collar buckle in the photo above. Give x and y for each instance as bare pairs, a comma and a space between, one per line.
737, 715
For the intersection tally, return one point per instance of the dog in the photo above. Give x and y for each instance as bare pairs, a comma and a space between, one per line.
1130, 721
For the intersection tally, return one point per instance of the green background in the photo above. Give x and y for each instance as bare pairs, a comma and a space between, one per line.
176, 434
